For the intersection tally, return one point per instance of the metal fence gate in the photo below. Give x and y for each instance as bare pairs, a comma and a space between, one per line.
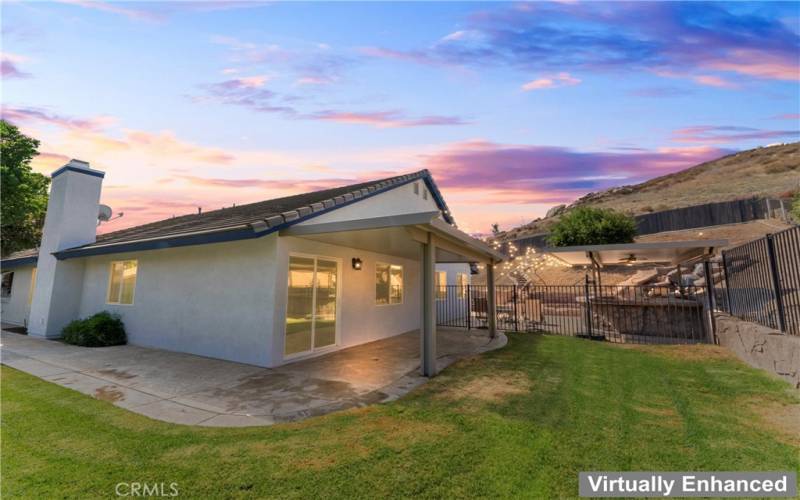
760, 281
627, 314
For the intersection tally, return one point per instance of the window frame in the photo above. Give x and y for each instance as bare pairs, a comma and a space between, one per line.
339, 277
441, 288
110, 277
6, 298
402, 286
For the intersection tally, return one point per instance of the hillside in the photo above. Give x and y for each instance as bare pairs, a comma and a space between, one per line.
767, 171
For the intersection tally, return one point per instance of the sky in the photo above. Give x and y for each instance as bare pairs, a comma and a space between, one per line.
513, 107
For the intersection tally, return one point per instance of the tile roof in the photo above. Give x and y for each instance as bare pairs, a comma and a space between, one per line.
20, 258
261, 217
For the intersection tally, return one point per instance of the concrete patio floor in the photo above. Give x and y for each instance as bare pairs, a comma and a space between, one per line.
187, 389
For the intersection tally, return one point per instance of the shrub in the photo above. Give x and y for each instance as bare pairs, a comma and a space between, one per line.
592, 226
102, 329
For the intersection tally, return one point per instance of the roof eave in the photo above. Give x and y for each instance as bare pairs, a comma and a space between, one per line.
19, 262
254, 229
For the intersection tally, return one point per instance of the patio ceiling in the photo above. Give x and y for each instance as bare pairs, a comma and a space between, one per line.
668, 252
399, 235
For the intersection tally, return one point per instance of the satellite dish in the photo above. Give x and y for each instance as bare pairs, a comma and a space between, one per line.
104, 213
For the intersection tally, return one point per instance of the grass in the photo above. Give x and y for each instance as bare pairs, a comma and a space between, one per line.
522, 421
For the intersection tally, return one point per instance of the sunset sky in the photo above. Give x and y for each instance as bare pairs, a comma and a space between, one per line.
513, 107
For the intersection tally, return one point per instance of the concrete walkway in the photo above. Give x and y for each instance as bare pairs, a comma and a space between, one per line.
187, 389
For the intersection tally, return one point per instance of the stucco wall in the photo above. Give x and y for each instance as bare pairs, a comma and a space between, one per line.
761, 347
212, 300
361, 320
15, 308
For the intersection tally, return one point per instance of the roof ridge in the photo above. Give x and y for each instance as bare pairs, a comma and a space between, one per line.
251, 220
417, 174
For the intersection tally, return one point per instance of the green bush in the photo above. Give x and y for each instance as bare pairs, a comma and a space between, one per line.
102, 329
592, 226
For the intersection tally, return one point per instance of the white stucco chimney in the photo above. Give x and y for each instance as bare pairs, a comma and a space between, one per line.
71, 221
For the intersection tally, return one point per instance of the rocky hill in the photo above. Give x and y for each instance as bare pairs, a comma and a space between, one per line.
765, 171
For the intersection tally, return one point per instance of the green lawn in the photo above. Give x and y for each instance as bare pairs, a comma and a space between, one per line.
522, 421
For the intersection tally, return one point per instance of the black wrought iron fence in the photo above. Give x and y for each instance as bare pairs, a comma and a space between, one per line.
630, 314
760, 281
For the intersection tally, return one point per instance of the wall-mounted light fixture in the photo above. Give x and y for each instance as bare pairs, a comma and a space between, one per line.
356, 263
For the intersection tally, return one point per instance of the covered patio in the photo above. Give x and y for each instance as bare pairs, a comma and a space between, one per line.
187, 389
421, 236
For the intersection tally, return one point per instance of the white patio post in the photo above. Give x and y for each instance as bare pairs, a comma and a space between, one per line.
428, 296
491, 307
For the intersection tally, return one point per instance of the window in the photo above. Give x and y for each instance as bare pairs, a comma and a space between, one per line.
8, 282
416, 188
312, 304
33, 286
461, 282
388, 284
424, 194
122, 282
441, 285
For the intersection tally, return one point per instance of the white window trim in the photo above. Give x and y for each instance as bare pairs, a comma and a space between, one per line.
108, 286
461, 289
315, 351
7, 298
402, 295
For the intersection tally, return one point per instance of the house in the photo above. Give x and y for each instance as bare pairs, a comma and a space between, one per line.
265, 283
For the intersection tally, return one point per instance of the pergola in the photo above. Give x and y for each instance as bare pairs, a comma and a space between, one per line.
673, 253
423, 236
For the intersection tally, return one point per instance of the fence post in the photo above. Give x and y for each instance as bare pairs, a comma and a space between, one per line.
710, 299
776, 282
469, 310
727, 284
516, 313
588, 305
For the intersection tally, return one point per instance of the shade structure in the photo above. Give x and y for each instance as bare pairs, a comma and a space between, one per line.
667, 252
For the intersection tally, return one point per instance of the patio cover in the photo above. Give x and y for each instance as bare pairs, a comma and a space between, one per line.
424, 236
665, 252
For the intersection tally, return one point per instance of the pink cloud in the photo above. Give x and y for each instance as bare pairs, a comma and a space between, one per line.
38, 115
709, 134
714, 81
115, 8
167, 144
385, 119
552, 81
501, 173
8, 66
759, 64
253, 81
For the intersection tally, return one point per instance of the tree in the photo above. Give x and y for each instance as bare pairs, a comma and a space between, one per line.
592, 226
23, 191
495, 229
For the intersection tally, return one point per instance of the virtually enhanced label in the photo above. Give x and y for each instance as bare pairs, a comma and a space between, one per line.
688, 484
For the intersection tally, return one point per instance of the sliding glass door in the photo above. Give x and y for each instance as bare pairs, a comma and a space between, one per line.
312, 304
